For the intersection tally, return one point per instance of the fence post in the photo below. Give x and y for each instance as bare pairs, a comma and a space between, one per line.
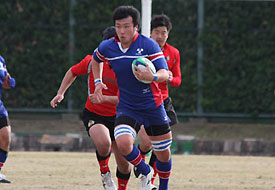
146, 17
71, 50
200, 26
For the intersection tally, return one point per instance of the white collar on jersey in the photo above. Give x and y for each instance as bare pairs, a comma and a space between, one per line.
120, 47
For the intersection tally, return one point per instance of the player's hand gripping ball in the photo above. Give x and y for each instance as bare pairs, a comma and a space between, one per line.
141, 64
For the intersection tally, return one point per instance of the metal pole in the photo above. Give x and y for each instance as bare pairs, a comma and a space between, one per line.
71, 49
200, 56
146, 10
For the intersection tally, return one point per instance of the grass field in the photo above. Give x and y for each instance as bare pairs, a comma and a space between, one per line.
79, 171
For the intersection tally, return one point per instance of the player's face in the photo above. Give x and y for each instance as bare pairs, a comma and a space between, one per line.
126, 31
160, 35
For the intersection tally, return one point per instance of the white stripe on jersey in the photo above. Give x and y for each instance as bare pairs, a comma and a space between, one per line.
89, 74
126, 56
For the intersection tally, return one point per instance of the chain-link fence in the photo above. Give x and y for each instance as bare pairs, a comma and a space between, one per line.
227, 52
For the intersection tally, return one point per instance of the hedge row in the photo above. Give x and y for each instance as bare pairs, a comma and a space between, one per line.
238, 40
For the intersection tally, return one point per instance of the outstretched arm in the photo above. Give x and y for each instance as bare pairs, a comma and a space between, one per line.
65, 84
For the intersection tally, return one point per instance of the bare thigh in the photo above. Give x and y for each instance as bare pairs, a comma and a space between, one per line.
145, 142
101, 137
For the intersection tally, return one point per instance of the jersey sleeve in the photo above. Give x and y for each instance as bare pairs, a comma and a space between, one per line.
156, 55
176, 70
82, 67
3, 71
98, 54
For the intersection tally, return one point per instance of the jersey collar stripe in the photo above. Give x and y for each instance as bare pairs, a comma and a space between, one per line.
136, 36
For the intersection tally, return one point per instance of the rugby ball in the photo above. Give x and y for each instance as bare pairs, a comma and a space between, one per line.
141, 64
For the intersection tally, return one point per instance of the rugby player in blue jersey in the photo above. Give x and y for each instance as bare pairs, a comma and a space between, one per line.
6, 81
139, 103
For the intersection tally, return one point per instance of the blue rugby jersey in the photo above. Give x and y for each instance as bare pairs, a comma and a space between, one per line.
3, 74
133, 94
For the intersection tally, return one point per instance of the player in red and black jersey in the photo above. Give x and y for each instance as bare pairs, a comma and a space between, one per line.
99, 118
160, 28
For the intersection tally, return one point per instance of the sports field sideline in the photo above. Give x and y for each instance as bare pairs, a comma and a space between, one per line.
79, 171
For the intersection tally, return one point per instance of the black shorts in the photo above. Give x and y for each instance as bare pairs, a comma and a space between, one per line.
4, 121
128, 121
170, 111
155, 130
90, 119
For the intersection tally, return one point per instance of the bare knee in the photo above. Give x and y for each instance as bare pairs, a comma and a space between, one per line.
101, 137
145, 146
125, 137
163, 156
103, 147
124, 144
5, 136
145, 142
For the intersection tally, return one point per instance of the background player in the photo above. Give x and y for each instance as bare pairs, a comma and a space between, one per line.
6, 81
99, 118
160, 29
139, 103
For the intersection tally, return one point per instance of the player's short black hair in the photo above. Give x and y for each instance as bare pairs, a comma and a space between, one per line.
125, 11
109, 32
161, 20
